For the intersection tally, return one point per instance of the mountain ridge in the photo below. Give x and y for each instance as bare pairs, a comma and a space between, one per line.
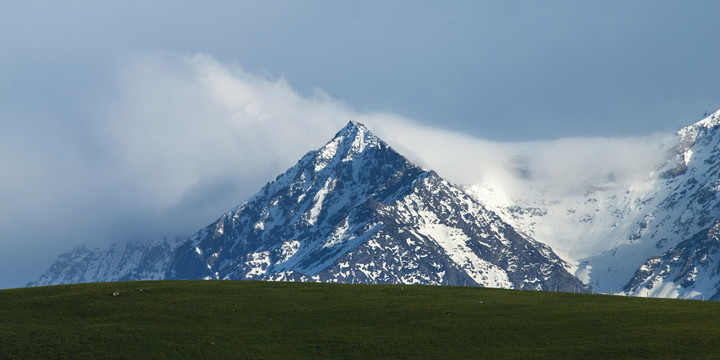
356, 211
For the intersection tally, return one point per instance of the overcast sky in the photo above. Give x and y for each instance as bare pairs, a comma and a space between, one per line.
135, 119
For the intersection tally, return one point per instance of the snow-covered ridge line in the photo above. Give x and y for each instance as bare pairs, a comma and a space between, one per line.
711, 121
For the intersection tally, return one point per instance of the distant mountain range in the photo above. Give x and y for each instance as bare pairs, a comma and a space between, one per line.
356, 211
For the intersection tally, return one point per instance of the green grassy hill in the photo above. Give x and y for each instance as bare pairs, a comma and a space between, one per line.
267, 320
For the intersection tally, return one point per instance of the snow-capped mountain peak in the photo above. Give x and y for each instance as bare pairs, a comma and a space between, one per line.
348, 142
357, 211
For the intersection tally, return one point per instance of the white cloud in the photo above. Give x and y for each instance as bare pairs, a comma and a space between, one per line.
560, 167
184, 120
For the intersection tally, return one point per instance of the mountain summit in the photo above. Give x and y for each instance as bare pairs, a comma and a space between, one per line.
356, 211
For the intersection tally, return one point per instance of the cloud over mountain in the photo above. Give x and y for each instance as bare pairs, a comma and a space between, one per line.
180, 137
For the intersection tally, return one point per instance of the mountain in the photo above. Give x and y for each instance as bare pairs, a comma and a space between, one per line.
645, 239
354, 211
689, 269
123, 261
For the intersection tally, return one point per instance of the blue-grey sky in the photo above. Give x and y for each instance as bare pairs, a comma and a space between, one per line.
133, 119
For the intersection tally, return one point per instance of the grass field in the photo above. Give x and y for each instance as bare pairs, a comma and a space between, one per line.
271, 320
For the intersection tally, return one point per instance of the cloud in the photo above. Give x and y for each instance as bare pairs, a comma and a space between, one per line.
561, 167
181, 138
182, 122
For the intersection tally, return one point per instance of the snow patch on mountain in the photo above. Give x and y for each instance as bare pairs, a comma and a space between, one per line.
454, 242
